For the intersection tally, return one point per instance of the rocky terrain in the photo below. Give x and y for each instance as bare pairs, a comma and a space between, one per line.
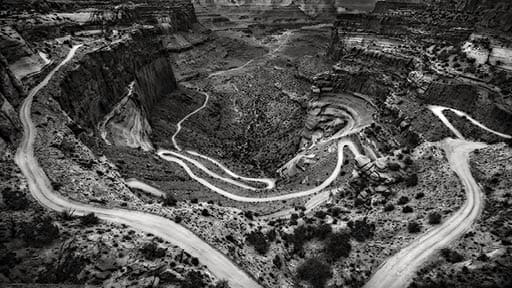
296, 142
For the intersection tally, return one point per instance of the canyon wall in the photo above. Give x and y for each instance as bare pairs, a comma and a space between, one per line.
89, 92
11, 95
313, 8
481, 104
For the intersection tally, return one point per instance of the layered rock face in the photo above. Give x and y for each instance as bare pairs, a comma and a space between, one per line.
103, 79
11, 93
313, 8
484, 106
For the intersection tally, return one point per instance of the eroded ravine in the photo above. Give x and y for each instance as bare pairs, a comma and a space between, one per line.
398, 271
41, 189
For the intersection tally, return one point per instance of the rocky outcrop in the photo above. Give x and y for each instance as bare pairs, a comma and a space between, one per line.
91, 91
11, 93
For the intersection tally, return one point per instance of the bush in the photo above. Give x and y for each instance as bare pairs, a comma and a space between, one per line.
451, 256
151, 251
258, 240
320, 214
277, 262
248, 214
361, 230
338, 245
178, 219
169, 200
389, 207
67, 215
419, 195
413, 227
89, 219
315, 272
434, 218
205, 212
393, 166
222, 284
407, 209
411, 180
403, 200
14, 200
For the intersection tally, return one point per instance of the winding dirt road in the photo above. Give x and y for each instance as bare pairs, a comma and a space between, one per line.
42, 191
398, 271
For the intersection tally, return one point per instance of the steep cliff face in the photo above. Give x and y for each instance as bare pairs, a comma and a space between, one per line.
11, 93
479, 103
92, 90
312, 8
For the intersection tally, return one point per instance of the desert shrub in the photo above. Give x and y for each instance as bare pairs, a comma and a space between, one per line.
411, 180
178, 219
434, 218
334, 211
67, 215
89, 219
277, 262
169, 200
205, 212
315, 272
258, 240
39, 232
361, 230
393, 166
419, 195
451, 256
194, 261
248, 214
271, 235
407, 209
320, 214
403, 200
338, 245
222, 284
413, 227
389, 207
14, 200
323, 230
151, 251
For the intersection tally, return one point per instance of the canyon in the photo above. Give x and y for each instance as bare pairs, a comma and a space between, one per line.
212, 143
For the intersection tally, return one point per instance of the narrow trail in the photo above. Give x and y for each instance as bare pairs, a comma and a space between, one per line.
398, 271
41, 189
